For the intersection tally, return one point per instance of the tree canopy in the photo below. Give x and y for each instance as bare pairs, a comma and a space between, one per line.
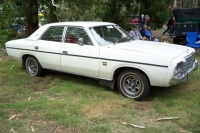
25, 12
158, 10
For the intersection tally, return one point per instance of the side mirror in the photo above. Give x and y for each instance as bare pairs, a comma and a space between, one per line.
80, 41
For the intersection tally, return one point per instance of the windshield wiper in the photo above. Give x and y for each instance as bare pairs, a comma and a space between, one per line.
122, 40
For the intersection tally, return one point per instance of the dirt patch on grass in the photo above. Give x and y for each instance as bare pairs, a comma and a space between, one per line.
39, 85
99, 111
141, 105
42, 126
3, 55
2, 80
49, 127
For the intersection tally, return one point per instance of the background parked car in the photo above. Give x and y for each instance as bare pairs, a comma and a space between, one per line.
134, 19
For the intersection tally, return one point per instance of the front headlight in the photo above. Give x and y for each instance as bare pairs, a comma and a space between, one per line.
179, 68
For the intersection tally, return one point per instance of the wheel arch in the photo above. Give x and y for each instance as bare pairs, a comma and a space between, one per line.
34, 68
120, 69
24, 58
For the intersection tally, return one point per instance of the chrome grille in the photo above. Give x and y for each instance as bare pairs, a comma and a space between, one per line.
189, 60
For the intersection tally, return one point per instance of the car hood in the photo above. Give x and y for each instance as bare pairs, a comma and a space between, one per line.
157, 48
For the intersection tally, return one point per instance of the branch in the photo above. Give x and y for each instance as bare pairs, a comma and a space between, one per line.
125, 123
12, 67
12, 117
53, 3
168, 118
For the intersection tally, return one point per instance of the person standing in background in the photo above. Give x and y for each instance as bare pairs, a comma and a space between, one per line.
169, 25
141, 21
173, 24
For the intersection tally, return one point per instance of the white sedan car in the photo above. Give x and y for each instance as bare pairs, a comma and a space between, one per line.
105, 52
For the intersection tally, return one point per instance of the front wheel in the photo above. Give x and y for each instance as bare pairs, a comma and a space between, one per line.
133, 84
33, 67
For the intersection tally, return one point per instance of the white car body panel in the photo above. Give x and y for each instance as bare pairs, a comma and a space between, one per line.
154, 48
49, 54
19, 47
133, 59
81, 60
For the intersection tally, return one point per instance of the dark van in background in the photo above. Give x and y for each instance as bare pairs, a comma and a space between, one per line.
187, 20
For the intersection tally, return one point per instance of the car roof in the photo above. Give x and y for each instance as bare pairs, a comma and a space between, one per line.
80, 23
85, 24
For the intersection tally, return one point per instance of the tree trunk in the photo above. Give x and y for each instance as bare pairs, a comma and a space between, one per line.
192, 3
195, 3
31, 17
181, 3
175, 5
52, 17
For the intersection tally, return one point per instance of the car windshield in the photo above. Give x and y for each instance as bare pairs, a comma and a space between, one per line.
109, 34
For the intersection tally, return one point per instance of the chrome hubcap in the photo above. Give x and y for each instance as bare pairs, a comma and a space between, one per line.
132, 84
32, 66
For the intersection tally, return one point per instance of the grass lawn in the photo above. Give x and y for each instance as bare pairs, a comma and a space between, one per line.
62, 103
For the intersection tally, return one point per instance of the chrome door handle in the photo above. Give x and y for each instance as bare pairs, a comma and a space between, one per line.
36, 47
65, 52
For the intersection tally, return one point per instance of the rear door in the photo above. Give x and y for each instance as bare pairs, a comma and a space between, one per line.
48, 48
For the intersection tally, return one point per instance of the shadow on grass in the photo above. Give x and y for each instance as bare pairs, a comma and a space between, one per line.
166, 92
155, 93
88, 81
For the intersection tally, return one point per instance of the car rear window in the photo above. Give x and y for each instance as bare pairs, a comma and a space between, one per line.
53, 34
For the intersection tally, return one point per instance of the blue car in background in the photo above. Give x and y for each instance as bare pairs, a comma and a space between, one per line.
15, 27
16, 22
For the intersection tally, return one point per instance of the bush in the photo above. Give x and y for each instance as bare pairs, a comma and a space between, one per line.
10, 15
6, 35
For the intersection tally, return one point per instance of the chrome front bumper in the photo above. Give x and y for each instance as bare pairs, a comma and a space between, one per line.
183, 76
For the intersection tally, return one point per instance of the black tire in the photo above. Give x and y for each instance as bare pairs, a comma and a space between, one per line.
33, 67
23, 65
133, 84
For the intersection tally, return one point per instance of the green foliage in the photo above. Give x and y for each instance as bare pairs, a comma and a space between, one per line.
17, 13
9, 16
97, 10
93, 10
80, 10
190, 4
119, 12
115, 11
158, 10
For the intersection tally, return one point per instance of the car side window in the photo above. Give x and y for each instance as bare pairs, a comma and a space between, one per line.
53, 34
74, 33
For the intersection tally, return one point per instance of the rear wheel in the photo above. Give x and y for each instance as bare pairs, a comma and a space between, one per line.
33, 67
133, 84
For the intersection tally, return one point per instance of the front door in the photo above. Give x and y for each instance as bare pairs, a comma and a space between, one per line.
79, 59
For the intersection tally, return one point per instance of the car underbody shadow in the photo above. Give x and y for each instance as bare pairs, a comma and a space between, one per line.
164, 92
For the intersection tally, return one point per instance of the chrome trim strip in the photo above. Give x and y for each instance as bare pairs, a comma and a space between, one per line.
156, 65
